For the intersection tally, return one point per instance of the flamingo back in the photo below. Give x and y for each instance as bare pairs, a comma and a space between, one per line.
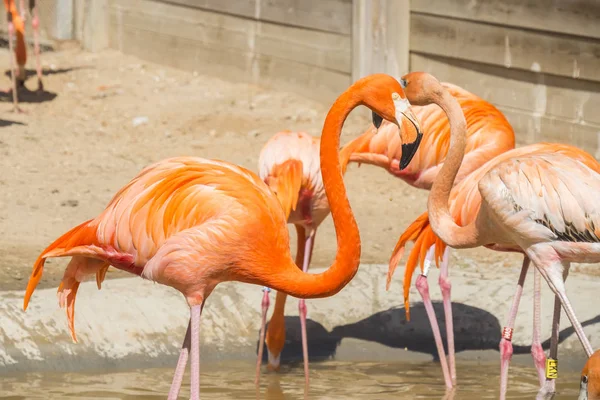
194, 216
302, 195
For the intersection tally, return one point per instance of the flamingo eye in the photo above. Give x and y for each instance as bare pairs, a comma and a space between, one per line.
395, 96
584, 379
403, 83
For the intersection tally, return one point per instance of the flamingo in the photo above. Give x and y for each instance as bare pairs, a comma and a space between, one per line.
538, 204
488, 135
465, 201
589, 386
289, 165
17, 23
191, 223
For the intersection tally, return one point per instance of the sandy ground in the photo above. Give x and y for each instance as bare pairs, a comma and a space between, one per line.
105, 116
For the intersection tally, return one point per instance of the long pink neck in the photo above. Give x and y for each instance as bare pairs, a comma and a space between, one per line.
440, 217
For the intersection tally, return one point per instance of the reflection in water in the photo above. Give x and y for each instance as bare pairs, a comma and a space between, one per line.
329, 380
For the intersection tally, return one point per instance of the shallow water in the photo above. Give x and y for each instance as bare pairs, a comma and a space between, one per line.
329, 380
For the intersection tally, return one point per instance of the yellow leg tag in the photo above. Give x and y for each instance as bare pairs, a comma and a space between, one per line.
551, 368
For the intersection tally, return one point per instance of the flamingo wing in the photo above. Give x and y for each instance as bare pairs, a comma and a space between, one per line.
546, 197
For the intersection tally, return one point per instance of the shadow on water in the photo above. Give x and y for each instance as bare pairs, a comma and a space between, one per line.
474, 329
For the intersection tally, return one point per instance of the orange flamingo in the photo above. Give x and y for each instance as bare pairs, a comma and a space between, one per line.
16, 23
539, 204
192, 223
488, 135
289, 164
464, 203
589, 386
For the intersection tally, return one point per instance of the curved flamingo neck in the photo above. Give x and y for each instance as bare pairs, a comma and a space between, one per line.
440, 217
293, 280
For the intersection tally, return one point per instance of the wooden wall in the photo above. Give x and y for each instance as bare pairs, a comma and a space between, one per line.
536, 60
301, 44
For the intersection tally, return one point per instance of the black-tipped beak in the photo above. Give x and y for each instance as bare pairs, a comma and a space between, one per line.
409, 150
377, 119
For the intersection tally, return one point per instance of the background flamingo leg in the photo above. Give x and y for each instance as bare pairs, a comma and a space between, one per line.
261, 341
537, 352
11, 50
506, 347
35, 23
423, 288
302, 303
195, 352
549, 383
446, 286
181, 364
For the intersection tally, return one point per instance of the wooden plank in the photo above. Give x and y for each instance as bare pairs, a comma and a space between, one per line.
244, 8
231, 47
380, 37
326, 50
539, 107
574, 17
214, 30
509, 47
323, 15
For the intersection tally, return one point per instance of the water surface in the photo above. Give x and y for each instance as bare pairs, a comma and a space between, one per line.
329, 380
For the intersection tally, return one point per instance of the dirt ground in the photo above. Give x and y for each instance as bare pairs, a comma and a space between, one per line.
105, 116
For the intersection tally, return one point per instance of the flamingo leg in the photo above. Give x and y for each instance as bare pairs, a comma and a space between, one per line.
261, 342
553, 272
35, 22
308, 246
549, 383
11, 32
181, 364
537, 352
423, 288
195, 352
446, 287
506, 347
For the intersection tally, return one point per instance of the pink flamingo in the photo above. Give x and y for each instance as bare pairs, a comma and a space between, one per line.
538, 204
192, 223
465, 202
289, 164
16, 23
488, 135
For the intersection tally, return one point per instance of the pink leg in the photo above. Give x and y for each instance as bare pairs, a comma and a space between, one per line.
446, 287
548, 388
261, 343
302, 303
506, 348
537, 352
35, 22
23, 10
423, 288
11, 50
181, 364
195, 362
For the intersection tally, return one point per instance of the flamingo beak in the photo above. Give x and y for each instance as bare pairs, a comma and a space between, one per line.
409, 149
